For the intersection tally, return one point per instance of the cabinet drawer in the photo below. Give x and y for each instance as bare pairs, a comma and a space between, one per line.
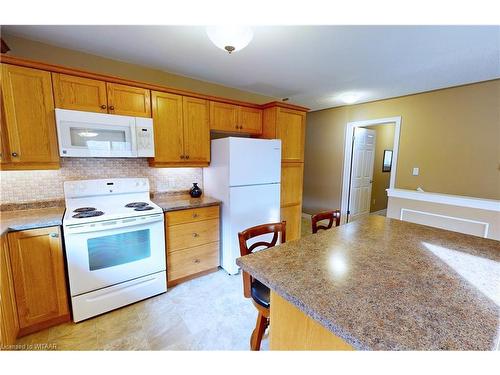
191, 261
192, 215
187, 235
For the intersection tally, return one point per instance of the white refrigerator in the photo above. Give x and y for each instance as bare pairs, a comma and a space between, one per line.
244, 173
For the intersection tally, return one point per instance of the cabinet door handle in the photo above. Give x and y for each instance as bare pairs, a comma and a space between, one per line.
195, 216
54, 235
182, 156
103, 106
197, 261
111, 107
196, 235
187, 156
14, 154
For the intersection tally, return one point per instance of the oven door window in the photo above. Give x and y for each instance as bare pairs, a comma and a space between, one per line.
116, 249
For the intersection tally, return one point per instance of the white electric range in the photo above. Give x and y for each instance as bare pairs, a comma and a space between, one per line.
115, 244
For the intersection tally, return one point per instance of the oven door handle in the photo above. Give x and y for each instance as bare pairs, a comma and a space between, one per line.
112, 224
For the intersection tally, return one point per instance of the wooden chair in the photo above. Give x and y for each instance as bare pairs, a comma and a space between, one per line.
326, 215
253, 288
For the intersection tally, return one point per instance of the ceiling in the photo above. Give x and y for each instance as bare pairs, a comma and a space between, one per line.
311, 65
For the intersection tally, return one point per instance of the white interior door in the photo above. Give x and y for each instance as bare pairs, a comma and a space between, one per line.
363, 153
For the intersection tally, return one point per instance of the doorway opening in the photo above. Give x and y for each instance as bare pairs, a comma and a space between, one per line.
370, 162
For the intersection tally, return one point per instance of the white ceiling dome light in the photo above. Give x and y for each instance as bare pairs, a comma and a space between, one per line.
230, 38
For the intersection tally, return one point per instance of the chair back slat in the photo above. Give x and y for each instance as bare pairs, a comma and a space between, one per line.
331, 216
279, 232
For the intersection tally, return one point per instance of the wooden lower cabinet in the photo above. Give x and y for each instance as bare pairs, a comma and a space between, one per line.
192, 242
293, 217
39, 278
291, 183
291, 329
186, 262
9, 324
187, 235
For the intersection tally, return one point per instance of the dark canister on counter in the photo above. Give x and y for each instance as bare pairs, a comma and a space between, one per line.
195, 191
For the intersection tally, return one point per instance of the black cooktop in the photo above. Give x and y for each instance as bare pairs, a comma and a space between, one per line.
84, 209
137, 204
84, 214
143, 208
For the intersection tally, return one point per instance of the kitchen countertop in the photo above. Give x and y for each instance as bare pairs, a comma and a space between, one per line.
45, 217
181, 202
385, 284
30, 219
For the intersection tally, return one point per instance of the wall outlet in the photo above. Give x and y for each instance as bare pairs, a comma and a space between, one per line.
416, 171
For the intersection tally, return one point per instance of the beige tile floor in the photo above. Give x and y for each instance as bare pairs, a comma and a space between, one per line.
208, 313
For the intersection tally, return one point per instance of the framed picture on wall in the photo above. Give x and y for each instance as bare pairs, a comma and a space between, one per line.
387, 162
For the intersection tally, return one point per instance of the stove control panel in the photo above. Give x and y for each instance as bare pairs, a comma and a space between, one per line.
89, 188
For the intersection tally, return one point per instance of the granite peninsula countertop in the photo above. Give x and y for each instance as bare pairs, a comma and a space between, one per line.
32, 218
385, 284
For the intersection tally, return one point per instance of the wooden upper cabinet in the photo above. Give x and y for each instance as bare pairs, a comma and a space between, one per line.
236, 119
39, 278
196, 130
81, 94
168, 128
223, 117
290, 128
4, 150
250, 120
181, 128
29, 118
128, 101
291, 183
288, 125
92, 95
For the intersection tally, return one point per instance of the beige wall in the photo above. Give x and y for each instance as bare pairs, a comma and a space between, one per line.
30, 49
384, 140
452, 135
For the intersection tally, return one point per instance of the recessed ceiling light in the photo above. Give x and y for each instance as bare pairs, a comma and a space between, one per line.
350, 97
230, 38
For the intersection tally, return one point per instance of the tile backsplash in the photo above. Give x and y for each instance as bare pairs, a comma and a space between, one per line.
31, 186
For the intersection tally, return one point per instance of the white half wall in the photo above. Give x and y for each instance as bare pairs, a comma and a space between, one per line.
469, 215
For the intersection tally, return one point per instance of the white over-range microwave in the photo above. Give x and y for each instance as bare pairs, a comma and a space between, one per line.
89, 134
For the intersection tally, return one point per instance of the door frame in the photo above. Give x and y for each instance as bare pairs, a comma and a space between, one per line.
346, 176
